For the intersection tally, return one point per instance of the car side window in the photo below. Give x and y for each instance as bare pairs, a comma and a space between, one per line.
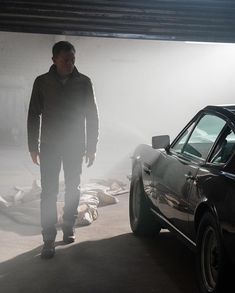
178, 146
204, 136
225, 148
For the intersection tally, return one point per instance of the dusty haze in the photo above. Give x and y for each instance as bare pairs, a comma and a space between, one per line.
143, 88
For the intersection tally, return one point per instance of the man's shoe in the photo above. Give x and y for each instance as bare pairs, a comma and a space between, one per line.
69, 236
48, 250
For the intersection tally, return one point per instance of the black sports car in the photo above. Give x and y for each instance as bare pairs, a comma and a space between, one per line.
188, 186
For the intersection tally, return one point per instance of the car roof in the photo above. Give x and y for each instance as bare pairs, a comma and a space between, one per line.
225, 110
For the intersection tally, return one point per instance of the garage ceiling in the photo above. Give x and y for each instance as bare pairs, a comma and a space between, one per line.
181, 20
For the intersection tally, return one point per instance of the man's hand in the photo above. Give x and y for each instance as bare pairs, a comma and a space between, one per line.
35, 157
90, 159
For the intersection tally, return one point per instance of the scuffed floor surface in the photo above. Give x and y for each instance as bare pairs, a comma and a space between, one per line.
106, 256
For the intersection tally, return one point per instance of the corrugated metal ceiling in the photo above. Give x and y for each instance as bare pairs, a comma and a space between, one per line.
182, 20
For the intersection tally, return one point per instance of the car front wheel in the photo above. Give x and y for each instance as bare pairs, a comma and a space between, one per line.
142, 221
211, 259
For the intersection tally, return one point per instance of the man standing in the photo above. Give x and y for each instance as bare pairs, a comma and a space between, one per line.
62, 128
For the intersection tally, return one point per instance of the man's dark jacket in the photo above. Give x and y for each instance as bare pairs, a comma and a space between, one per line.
68, 112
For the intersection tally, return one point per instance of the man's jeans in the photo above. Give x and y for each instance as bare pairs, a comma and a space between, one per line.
51, 157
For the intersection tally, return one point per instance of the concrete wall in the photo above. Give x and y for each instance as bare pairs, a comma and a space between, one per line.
143, 88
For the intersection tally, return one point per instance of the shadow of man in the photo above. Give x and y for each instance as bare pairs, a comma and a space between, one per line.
122, 263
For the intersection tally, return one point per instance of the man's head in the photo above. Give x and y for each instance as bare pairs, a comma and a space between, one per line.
63, 56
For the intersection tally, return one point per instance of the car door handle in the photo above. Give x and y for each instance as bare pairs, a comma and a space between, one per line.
147, 170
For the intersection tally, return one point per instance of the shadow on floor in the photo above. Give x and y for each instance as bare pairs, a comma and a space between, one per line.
120, 264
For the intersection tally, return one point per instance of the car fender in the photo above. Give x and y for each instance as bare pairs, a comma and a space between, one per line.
144, 154
204, 206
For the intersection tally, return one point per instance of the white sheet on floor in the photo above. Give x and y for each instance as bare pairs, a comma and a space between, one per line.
22, 204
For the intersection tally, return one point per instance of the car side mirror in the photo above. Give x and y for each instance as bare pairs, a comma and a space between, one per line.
160, 142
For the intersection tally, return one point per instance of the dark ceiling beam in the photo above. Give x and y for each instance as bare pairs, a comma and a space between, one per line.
183, 20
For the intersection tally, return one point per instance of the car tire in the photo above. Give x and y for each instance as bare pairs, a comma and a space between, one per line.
142, 220
210, 256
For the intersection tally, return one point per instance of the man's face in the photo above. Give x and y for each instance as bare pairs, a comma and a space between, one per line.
64, 62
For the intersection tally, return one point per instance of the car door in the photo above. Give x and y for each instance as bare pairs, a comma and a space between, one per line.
175, 171
210, 181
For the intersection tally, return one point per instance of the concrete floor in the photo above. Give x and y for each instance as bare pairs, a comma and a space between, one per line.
106, 256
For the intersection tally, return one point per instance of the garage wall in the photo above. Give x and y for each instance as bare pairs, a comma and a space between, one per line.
143, 87
21, 58
154, 87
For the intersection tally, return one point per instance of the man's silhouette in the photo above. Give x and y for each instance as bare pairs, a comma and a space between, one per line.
62, 128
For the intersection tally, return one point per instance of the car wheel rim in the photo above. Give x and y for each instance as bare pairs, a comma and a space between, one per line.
209, 259
136, 200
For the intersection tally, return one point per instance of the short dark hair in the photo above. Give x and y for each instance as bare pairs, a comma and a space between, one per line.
62, 46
